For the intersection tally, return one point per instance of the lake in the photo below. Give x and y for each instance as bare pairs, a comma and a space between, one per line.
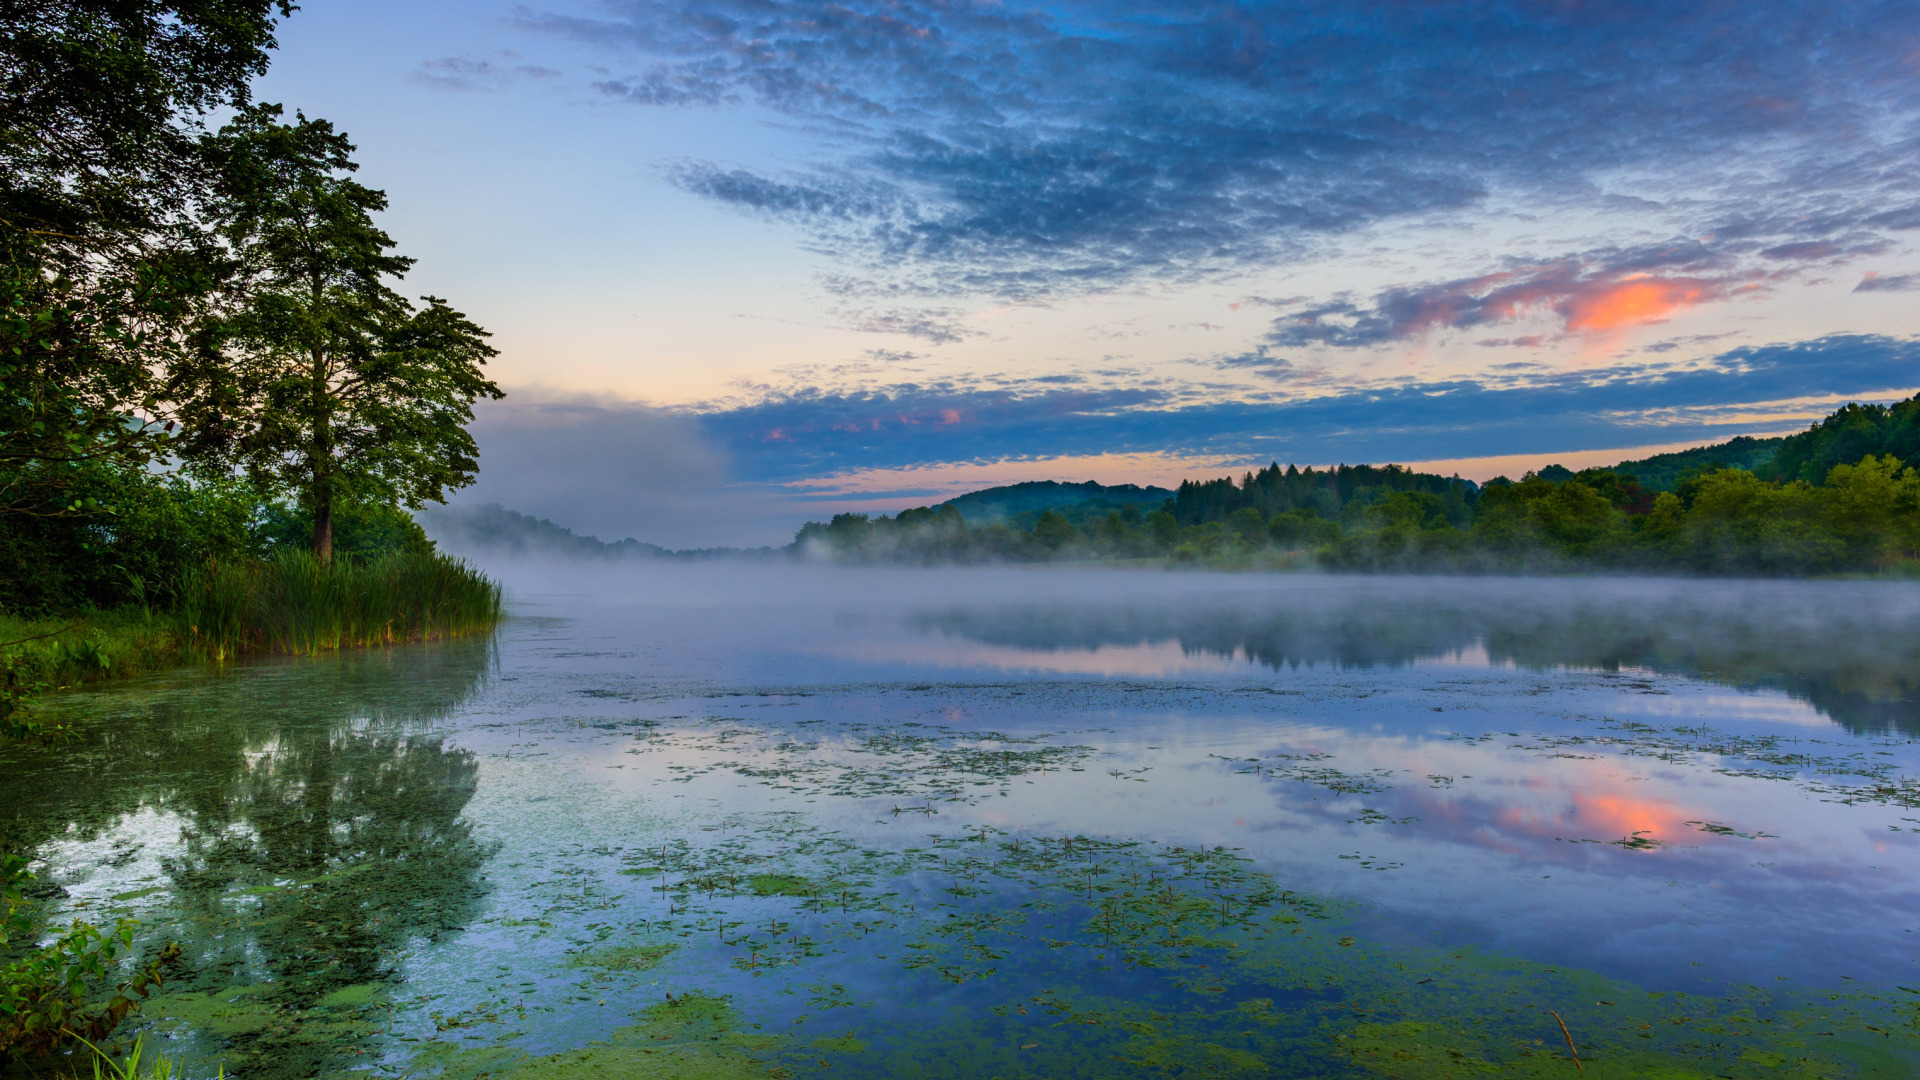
746, 820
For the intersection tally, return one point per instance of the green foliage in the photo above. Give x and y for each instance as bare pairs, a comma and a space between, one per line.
149, 529
1324, 492
94, 135
296, 603
143, 529
73, 374
1022, 504
101, 263
137, 1066
70, 988
360, 530
325, 382
1861, 517
1849, 434
1053, 532
65, 651
1664, 472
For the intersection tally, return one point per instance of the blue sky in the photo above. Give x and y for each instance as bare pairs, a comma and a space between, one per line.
748, 260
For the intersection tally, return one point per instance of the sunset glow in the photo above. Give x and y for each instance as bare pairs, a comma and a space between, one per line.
1632, 303
1318, 262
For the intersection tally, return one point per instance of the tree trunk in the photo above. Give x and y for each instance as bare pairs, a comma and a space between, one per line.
322, 519
322, 462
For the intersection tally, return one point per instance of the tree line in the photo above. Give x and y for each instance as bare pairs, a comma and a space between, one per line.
1843, 496
205, 351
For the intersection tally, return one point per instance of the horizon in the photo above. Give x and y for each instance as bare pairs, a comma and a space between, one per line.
1123, 241
893, 505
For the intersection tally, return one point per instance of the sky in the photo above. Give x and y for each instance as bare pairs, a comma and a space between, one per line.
749, 262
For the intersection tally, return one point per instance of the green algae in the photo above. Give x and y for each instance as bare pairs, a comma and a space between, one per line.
360, 994
904, 761
1217, 930
1247, 977
692, 1036
780, 885
629, 957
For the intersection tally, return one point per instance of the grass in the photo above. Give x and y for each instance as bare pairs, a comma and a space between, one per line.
293, 603
67, 651
156, 1067
289, 604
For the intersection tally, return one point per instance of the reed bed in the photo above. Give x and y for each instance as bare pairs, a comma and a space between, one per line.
294, 603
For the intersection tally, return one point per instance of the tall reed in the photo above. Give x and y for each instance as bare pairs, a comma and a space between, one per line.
294, 603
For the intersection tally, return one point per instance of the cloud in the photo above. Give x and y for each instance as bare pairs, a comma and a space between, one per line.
1260, 361
1874, 282
478, 73
1026, 148
1595, 291
1526, 410
818, 199
614, 469
936, 326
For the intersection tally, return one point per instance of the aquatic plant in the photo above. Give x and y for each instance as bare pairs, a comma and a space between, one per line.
59, 992
1078, 956
297, 603
137, 1065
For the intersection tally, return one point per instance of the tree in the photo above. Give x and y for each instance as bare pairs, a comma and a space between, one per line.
1054, 531
100, 260
322, 380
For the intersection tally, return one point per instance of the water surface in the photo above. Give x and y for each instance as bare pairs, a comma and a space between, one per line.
743, 820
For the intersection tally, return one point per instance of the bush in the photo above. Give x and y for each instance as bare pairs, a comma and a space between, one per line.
127, 543
68, 989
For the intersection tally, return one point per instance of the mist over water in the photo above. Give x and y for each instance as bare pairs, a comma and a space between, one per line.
914, 810
1852, 649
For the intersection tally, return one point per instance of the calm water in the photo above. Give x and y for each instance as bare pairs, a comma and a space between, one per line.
748, 821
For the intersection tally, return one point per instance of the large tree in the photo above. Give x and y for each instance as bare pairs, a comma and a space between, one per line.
101, 262
321, 379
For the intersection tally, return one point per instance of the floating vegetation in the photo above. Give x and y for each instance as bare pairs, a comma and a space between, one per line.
1091, 957
628, 957
1306, 769
1369, 816
1814, 764
1716, 829
904, 761
690, 1037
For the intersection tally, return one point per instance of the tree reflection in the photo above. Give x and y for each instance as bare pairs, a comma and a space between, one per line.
321, 837
1854, 658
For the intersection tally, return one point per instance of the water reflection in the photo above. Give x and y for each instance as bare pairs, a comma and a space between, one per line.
1191, 821
297, 826
1858, 663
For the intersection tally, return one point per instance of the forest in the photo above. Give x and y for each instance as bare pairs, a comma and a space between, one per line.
1840, 497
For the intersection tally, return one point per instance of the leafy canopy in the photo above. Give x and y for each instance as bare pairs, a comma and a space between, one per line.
323, 380
101, 263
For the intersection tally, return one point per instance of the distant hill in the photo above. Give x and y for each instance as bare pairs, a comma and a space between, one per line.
1844, 437
494, 529
1850, 433
1012, 502
1662, 472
